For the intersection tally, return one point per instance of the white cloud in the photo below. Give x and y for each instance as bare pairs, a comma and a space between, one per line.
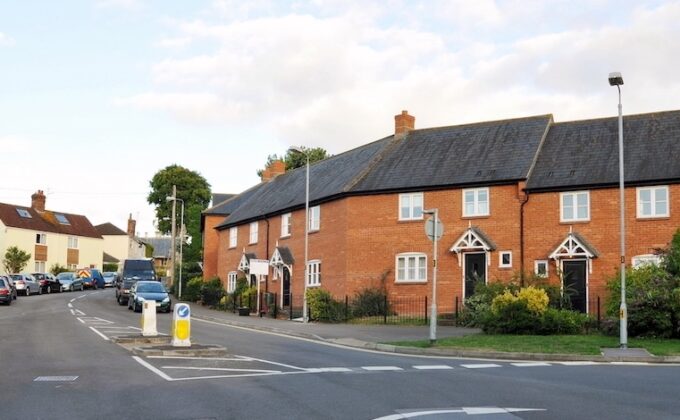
120, 4
6, 40
334, 79
14, 144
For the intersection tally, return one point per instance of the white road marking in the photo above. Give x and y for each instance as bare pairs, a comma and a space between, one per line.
227, 359
578, 363
152, 368
72, 300
79, 312
80, 320
55, 379
481, 366
329, 369
70, 305
221, 369
381, 368
275, 363
100, 334
432, 367
73, 312
530, 364
466, 410
134, 328
631, 363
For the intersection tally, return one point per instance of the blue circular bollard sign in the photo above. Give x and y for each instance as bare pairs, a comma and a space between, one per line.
183, 311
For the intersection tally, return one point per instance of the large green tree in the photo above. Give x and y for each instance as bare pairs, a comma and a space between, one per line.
15, 259
193, 188
296, 160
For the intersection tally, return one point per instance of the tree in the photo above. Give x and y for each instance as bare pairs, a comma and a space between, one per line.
58, 268
194, 190
15, 260
297, 160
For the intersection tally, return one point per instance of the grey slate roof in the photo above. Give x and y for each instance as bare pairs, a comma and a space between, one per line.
581, 154
483, 153
218, 198
162, 246
108, 258
226, 207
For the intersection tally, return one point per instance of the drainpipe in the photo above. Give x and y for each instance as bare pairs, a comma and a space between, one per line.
524, 201
266, 253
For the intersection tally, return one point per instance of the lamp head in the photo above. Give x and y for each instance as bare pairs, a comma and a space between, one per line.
615, 79
169, 199
296, 149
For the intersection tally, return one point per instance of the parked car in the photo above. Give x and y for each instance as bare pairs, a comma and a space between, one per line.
26, 283
141, 269
8, 292
69, 282
110, 278
91, 277
123, 290
149, 290
48, 283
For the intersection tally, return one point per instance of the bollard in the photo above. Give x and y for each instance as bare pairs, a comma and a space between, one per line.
181, 326
149, 318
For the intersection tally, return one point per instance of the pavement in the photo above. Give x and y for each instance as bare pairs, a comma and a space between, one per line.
374, 337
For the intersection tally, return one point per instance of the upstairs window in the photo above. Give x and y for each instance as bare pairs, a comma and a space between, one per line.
41, 238
575, 206
314, 218
233, 236
24, 213
253, 233
73, 242
476, 202
286, 225
652, 202
61, 219
411, 206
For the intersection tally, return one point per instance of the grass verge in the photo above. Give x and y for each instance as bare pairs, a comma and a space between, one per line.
551, 344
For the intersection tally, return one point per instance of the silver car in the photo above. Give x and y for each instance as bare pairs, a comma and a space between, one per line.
26, 284
70, 282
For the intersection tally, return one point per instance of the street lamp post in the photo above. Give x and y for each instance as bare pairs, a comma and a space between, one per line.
615, 79
174, 200
173, 233
435, 238
295, 149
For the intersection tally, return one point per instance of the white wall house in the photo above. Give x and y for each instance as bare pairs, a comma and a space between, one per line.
119, 244
51, 237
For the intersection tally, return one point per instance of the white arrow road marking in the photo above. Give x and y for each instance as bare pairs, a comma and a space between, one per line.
481, 366
432, 367
466, 410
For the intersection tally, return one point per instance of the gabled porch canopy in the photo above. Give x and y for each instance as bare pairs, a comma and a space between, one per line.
574, 246
282, 257
244, 264
473, 239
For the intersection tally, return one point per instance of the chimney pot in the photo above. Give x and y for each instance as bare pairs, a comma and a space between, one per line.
38, 201
403, 123
276, 168
132, 225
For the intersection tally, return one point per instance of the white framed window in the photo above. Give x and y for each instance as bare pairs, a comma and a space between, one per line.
314, 273
646, 259
253, 232
41, 239
652, 202
233, 237
475, 202
411, 267
411, 206
541, 268
286, 224
575, 206
505, 259
72, 267
40, 266
231, 282
314, 218
73, 242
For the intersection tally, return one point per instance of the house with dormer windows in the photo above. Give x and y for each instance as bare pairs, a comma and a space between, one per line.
51, 237
520, 195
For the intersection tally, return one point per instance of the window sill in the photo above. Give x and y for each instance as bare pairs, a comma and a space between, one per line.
409, 220
314, 231
505, 267
396, 282
314, 285
284, 236
651, 218
571, 222
476, 216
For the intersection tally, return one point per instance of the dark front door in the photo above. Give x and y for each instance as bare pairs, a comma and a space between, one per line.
475, 271
286, 287
574, 283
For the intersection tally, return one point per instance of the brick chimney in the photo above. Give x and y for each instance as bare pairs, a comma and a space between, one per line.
403, 123
38, 201
276, 168
132, 224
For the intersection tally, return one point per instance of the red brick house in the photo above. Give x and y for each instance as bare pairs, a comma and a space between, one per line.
500, 188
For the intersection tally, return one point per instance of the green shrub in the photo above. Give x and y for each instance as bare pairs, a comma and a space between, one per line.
248, 297
477, 305
192, 291
323, 307
370, 302
561, 321
212, 291
511, 317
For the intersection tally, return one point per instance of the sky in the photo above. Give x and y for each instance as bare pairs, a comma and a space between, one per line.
97, 96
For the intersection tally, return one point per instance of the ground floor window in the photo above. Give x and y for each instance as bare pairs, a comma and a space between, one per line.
40, 266
411, 267
231, 282
314, 273
541, 268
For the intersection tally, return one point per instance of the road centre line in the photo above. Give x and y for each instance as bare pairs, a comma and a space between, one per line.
578, 363
481, 366
100, 334
329, 369
432, 367
221, 369
530, 364
381, 368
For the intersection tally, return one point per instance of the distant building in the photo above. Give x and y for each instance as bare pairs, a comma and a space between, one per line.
120, 245
162, 246
51, 237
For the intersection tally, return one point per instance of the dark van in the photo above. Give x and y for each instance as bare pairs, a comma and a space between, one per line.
134, 271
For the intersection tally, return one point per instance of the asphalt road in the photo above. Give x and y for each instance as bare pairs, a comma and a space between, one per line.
86, 376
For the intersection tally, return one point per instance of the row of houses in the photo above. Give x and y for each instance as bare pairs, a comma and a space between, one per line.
70, 240
524, 195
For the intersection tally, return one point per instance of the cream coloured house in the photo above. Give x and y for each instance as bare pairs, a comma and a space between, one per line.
51, 237
121, 245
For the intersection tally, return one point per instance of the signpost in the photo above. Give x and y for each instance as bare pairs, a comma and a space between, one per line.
434, 229
259, 268
181, 325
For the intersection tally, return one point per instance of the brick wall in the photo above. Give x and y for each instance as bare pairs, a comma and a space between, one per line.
210, 246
